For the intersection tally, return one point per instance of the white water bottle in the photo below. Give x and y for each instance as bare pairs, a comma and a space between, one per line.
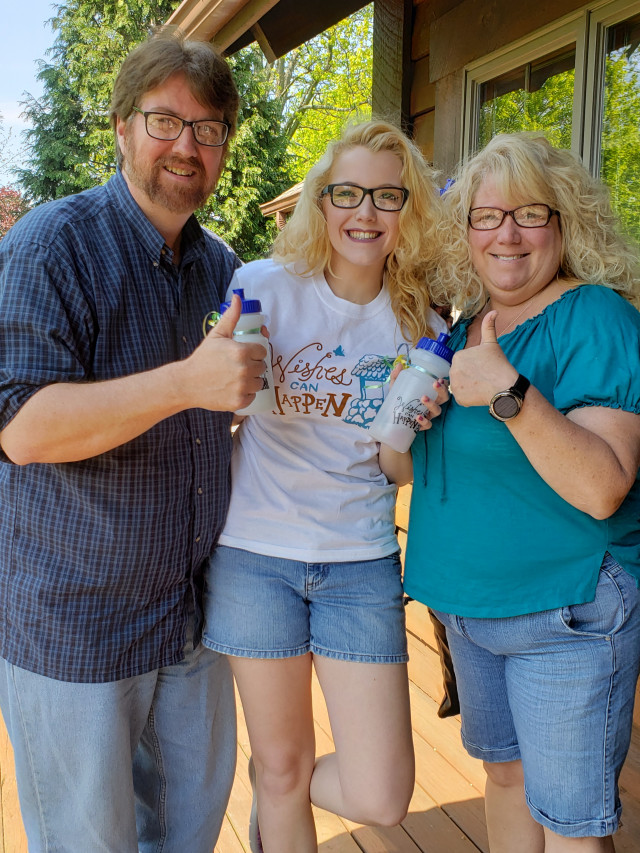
395, 424
248, 331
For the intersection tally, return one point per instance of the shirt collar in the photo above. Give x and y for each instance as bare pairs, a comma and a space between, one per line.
193, 242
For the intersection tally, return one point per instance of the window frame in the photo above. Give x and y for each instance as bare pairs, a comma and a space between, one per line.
587, 29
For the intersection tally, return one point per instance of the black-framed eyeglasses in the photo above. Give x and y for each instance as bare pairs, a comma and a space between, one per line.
526, 216
351, 195
206, 131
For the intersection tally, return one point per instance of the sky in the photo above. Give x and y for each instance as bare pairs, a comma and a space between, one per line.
24, 38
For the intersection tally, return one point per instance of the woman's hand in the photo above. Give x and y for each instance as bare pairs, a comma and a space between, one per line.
398, 467
479, 372
590, 456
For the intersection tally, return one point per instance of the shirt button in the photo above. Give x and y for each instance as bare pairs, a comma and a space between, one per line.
198, 538
156, 264
184, 340
199, 491
198, 441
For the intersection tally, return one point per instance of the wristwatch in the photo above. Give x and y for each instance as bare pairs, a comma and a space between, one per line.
507, 404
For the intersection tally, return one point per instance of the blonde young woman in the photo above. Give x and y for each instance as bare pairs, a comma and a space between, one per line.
534, 464
307, 570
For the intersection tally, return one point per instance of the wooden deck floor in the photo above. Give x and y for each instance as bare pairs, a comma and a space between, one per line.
447, 810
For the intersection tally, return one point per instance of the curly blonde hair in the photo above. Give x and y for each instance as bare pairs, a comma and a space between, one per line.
304, 241
527, 168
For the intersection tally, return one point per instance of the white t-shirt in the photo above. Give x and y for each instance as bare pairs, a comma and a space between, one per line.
306, 481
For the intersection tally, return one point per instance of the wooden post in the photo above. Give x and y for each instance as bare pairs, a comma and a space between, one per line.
392, 20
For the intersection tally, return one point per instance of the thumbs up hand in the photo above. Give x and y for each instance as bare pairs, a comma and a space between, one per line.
478, 372
222, 374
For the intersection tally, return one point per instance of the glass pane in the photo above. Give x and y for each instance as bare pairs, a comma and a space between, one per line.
620, 142
536, 96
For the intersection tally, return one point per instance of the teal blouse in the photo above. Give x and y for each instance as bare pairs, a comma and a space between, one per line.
487, 536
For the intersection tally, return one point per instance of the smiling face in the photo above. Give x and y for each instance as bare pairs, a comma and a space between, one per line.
513, 263
174, 177
362, 237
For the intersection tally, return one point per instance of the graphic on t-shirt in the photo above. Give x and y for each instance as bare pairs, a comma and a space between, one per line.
315, 380
301, 381
373, 372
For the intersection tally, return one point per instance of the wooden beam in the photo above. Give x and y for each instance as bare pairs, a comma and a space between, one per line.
391, 87
242, 21
203, 18
291, 22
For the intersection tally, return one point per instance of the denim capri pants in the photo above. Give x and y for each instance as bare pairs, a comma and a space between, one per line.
556, 690
270, 607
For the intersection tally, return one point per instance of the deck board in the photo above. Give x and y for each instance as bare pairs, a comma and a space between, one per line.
447, 808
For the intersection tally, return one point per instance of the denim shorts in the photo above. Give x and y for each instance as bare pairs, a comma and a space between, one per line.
556, 690
270, 607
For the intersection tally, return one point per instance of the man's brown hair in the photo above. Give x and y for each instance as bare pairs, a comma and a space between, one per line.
168, 52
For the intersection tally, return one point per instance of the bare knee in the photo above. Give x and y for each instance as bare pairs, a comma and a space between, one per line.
384, 807
505, 774
283, 772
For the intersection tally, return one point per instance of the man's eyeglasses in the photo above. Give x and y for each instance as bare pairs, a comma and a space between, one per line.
351, 195
526, 216
206, 131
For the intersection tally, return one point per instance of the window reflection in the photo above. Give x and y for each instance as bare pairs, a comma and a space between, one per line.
536, 96
620, 140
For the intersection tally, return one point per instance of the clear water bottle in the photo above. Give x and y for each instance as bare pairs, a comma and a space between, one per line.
248, 330
395, 424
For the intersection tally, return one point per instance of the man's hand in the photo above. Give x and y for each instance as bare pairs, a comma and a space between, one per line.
223, 374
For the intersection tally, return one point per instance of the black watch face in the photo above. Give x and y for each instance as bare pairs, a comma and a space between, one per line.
506, 406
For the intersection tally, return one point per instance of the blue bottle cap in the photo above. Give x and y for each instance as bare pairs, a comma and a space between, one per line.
438, 347
249, 306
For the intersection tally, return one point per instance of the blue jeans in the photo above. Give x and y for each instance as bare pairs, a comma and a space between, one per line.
555, 689
143, 764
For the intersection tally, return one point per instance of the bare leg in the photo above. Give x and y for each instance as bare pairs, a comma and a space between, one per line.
557, 844
370, 777
509, 820
276, 697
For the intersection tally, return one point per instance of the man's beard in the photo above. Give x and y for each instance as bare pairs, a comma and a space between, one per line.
176, 199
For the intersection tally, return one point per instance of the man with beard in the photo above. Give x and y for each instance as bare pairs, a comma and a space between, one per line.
114, 477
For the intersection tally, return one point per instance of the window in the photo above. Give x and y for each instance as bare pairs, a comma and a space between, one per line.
534, 96
620, 133
577, 81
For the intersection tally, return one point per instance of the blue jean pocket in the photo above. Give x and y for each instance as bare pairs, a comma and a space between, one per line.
605, 615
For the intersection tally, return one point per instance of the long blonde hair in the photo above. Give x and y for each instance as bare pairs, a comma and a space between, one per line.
304, 241
527, 168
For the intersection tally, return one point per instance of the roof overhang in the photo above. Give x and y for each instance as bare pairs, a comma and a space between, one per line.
277, 25
284, 203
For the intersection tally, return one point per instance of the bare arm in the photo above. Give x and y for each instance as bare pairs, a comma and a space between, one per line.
66, 422
589, 457
397, 467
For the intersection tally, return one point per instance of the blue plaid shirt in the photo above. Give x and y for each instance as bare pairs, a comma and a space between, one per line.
101, 559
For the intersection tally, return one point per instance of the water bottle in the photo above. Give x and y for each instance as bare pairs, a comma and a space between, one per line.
395, 424
248, 331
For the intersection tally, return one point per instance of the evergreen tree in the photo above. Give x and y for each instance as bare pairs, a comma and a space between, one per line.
71, 143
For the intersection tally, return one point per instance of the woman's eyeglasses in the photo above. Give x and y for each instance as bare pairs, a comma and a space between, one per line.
351, 195
526, 216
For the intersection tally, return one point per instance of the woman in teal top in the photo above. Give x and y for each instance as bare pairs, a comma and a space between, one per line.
532, 468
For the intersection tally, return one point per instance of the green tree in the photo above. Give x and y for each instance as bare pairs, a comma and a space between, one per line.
323, 84
549, 110
258, 167
620, 143
71, 144
289, 110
